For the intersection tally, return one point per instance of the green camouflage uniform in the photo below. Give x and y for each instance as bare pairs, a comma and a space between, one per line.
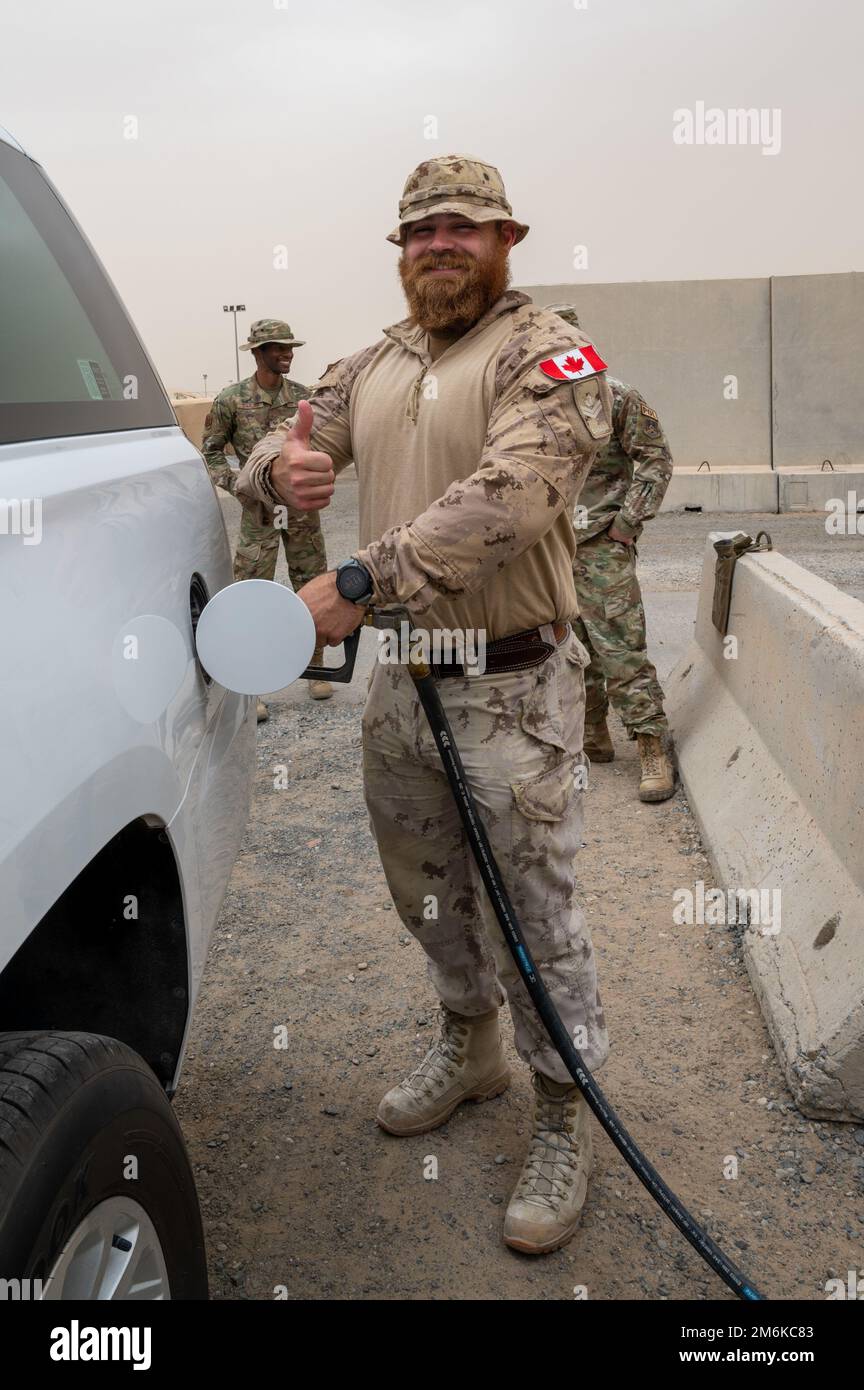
240, 416
626, 485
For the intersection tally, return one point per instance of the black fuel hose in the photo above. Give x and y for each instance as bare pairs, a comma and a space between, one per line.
490, 873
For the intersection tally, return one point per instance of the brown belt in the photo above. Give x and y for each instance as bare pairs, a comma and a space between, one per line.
517, 652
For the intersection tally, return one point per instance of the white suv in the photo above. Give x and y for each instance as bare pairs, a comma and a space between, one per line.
124, 775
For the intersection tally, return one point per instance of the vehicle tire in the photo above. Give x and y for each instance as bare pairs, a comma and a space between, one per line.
97, 1197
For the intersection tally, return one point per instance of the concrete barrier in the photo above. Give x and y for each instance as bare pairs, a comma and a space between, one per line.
812, 491
761, 490
769, 746
753, 490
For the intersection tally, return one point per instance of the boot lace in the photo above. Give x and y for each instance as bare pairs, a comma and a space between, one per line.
438, 1064
651, 758
552, 1156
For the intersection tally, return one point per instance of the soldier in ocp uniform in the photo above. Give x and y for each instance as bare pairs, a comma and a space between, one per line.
624, 489
240, 416
466, 497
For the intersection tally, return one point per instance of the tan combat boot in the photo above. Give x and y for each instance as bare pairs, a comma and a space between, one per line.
262, 712
544, 1210
598, 742
319, 690
467, 1062
658, 775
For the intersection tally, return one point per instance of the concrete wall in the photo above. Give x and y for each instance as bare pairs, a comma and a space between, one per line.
774, 772
795, 344
677, 340
818, 352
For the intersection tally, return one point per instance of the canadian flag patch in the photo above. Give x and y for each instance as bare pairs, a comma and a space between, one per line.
574, 364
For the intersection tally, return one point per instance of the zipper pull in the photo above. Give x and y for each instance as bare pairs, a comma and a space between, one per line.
414, 398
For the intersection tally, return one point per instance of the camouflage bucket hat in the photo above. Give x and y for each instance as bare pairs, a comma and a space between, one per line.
271, 331
566, 312
455, 183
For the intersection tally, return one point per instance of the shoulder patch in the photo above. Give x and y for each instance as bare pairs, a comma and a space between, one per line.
589, 403
646, 410
574, 364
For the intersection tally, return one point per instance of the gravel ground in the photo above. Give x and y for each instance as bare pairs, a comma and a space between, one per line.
670, 550
304, 1197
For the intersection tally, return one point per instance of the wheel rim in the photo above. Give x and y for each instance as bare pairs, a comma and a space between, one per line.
114, 1254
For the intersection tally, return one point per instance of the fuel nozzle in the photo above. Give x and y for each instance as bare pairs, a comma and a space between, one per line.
394, 619
385, 619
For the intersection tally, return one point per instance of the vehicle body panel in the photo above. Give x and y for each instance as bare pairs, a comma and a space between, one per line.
105, 713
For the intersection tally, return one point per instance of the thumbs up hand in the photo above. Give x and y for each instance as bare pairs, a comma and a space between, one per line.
302, 477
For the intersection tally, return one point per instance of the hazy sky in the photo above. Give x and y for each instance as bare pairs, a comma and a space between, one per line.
263, 124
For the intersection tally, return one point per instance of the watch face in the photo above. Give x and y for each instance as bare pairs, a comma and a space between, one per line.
353, 583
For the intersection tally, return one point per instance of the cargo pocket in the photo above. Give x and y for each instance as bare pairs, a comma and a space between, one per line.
548, 796
576, 652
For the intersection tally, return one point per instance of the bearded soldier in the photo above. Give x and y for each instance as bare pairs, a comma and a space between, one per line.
473, 424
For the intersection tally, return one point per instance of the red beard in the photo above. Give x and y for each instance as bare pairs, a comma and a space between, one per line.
453, 301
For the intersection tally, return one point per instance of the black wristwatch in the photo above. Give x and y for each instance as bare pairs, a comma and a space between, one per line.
354, 582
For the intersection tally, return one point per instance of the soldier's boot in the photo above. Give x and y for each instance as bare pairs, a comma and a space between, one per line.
466, 1062
544, 1209
658, 774
262, 711
319, 690
598, 742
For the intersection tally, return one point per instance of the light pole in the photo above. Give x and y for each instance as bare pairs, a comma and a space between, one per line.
205, 383
235, 309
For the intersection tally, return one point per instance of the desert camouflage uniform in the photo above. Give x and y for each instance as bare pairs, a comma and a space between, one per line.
484, 541
626, 485
241, 415
520, 740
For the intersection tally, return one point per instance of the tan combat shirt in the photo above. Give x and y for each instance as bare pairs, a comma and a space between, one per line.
469, 467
